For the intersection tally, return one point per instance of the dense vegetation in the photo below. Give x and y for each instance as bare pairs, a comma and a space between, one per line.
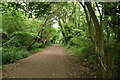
89, 30
22, 34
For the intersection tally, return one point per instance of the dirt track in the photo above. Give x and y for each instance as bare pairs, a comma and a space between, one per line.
53, 62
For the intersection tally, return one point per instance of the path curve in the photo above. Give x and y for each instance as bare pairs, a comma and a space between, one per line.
53, 62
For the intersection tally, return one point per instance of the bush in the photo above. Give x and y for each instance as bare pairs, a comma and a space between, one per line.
4, 37
48, 43
13, 23
76, 50
12, 53
19, 32
84, 49
21, 39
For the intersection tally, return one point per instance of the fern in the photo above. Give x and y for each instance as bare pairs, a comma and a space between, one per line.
21, 38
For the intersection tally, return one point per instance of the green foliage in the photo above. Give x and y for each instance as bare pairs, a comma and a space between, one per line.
48, 43
21, 39
4, 37
13, 21
39, 9
76, 50
12, 53
116, 67
29, 25
20, 29
81, 47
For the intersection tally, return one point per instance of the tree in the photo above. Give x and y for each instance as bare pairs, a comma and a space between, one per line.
98, 39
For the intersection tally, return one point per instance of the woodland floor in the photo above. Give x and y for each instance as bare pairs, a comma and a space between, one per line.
53, 62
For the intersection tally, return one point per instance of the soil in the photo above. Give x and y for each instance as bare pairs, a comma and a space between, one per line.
53, 62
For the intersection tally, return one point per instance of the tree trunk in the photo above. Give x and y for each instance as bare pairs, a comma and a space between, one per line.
111, 60
63, 33
89, 25
30, 46
98, 39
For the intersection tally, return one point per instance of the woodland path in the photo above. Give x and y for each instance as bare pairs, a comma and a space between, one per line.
53, 62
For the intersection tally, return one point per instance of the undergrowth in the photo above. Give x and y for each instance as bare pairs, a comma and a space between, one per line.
11, 54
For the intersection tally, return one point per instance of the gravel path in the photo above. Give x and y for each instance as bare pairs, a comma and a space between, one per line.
53, 62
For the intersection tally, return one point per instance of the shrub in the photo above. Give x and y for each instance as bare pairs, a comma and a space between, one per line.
13, 53
21, 39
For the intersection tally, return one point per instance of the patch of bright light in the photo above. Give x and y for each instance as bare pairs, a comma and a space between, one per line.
55, 25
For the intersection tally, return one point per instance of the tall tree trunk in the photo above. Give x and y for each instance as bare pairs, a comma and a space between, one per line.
98, 39
105, 69
63, 33
38, 33
111, 60
89, 25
